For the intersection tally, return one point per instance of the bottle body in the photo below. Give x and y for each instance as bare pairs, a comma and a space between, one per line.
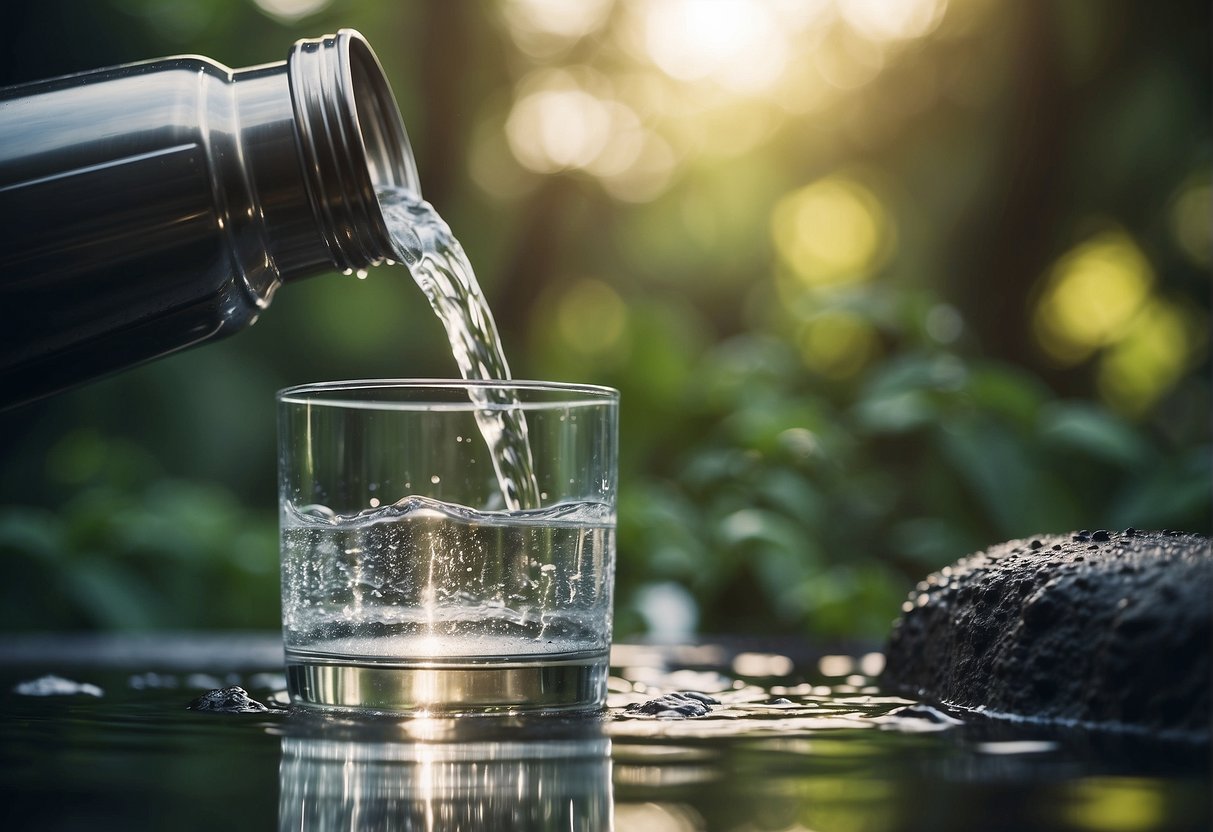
155, 206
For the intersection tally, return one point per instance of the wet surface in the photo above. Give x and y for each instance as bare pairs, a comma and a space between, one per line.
229, 700
797, 741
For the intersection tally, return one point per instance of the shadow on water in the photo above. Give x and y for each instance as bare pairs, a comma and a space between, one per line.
794, 744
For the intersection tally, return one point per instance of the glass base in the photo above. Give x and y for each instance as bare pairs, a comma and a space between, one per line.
558, 683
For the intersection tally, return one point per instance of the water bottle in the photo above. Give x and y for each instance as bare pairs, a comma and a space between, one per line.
154, 206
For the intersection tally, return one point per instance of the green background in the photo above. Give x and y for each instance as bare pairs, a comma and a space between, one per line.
880, 283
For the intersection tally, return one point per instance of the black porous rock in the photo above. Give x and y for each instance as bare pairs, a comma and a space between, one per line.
1101, 629
675, 705
233, 700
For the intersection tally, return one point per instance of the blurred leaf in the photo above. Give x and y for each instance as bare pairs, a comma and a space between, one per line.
1084, 429
931, 541
1168, 494
908, 392
111, 596
1005, 391
998, 466
29, 533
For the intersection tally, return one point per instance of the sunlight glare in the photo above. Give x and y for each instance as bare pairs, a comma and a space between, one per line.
885, 20
736, 43
558, 17
847, 62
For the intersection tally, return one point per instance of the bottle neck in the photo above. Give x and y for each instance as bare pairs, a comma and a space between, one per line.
351, 141
319, 136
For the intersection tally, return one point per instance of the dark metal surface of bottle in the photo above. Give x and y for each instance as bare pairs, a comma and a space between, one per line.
154, 206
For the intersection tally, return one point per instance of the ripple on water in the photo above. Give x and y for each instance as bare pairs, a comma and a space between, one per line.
652, 702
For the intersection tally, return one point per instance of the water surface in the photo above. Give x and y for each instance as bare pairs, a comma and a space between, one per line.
800, 741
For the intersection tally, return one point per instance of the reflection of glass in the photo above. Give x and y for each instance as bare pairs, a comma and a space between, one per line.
486, 776
410, 579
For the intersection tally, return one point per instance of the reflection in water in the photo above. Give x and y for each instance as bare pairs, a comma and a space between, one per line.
436, 774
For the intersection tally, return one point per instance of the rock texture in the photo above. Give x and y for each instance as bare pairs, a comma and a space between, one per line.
675, 705
1097, 628
233, 700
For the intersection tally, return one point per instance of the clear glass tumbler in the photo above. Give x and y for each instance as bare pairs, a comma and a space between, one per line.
447, 546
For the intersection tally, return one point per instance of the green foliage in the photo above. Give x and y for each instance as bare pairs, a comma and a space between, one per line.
810, 505
131, 550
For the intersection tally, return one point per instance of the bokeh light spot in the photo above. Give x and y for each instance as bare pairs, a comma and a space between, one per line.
1091, 294
542, 28
559, 127
571, 120
1192, 220
626, 142
832, 231
591, 317
736, 43
849, 62
837, 345
290, 11
943, 323
558, 17
646, 178
1154, 353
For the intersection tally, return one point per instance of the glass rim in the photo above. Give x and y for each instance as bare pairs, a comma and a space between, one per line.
327, 394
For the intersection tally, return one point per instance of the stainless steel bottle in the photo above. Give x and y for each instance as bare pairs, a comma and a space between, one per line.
154, 206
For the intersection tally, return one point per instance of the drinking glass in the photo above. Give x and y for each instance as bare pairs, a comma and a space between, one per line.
412, 578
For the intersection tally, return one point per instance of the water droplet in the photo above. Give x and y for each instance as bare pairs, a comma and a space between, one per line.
362, 273
435, 479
